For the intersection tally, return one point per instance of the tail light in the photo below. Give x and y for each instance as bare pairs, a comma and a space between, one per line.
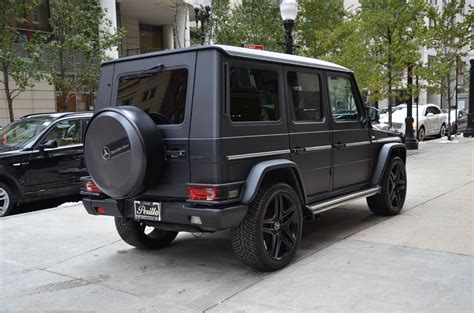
90, 186
212, 193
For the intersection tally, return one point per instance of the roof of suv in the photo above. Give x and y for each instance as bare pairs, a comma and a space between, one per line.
249, 54
57, 115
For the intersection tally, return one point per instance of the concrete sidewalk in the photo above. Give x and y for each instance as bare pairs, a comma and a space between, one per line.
349, 260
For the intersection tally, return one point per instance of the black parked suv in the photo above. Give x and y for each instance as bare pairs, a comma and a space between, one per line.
41, 156
218, 137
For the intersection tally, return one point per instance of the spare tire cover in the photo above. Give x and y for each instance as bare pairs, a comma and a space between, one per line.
123, 151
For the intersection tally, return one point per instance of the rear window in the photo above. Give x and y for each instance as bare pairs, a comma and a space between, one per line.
162, 94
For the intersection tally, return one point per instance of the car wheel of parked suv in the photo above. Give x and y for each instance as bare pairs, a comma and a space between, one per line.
394, 186
7, 200
421, 134
135, 234
268, 237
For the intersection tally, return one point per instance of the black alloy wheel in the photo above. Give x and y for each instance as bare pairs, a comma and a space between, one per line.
391, 198
268, 236
280, 226
397, 185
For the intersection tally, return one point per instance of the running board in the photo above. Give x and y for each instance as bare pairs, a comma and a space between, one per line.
332, 203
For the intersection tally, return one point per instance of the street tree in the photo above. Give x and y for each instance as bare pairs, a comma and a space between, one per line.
392, 30
19, 56
251, 21
77, 44
352, 47
449, 34
318, 20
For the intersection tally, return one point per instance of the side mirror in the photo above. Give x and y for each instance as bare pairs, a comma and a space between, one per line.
48, 144
372, 114
430, 114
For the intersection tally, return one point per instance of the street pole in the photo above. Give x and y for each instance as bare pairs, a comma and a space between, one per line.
417, 99
288, 25
456, 99
202, 15
410, 141
288, 11
469, 132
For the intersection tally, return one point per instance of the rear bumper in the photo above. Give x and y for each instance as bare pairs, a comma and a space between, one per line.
179, 213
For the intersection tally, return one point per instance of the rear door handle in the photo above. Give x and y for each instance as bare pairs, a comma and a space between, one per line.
339, 146
175, 154
298, 150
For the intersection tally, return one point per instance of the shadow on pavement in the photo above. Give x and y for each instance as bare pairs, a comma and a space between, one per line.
44, 204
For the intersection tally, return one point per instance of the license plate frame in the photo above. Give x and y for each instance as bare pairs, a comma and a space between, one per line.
146, 210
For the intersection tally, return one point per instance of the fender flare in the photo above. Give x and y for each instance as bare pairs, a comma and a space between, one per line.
258, 172
384, 156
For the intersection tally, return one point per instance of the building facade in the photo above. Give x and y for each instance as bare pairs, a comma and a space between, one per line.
151, 25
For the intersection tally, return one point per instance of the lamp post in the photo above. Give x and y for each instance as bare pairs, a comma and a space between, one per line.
202, 14
469, 132
410, 141
288, 11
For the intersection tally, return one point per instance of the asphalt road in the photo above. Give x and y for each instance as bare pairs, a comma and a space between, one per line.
62, 259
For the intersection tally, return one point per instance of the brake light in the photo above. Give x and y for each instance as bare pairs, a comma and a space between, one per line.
92, 187
203, 193
211, 193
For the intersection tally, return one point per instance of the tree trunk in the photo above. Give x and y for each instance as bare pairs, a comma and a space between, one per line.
62, 74
6, 84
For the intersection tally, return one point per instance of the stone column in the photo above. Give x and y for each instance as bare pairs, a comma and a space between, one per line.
168, 37
182, 27
111, 15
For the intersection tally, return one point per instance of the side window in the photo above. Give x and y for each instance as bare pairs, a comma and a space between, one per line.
65, 133
429, 110
342, 100
436, 110
305, 94
253, 94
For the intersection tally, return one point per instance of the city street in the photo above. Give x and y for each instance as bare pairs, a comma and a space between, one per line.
63, 259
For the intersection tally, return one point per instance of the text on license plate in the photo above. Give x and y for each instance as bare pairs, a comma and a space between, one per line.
147, 210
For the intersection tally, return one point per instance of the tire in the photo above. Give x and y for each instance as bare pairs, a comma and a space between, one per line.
123, 142
394, 186
421, 134
442, 131
268, 237
7, 200
133, 233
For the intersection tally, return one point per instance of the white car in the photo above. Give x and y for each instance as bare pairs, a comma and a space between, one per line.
431, 121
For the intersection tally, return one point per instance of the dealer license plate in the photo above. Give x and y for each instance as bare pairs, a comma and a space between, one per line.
150, 211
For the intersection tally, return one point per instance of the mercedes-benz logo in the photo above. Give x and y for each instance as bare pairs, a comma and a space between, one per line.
106, 153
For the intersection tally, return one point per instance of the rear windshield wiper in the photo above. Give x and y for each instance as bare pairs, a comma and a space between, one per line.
146, 73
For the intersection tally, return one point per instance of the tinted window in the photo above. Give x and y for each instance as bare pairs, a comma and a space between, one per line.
253, 95
65, 133
436, 110
430, 110
162, 95
21, 133
305, 94
342, 100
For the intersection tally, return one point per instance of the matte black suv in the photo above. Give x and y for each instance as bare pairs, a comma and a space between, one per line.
41, 156
218, 137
